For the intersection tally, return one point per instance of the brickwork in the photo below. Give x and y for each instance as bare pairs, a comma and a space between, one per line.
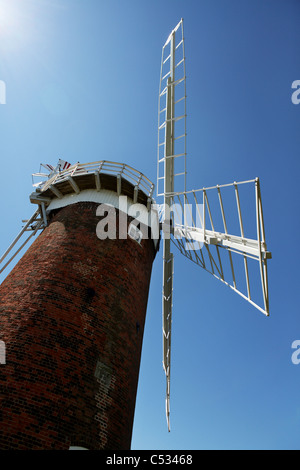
72, 316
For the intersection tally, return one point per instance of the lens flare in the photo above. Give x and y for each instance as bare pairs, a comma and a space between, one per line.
9, 17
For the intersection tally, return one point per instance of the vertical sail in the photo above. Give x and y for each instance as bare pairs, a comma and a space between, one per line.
171, 169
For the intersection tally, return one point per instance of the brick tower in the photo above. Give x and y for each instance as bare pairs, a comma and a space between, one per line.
72, 313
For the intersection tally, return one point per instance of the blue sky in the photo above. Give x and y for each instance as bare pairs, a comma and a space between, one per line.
82, 81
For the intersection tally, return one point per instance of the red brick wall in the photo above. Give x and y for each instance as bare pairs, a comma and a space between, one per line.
72, 316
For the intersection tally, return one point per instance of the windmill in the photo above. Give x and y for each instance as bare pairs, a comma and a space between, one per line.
197, 234
206, 225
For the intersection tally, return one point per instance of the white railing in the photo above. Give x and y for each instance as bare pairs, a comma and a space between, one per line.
138, 179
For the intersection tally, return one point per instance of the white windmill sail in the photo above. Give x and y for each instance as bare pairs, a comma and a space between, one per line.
171, 168
213, 235
171, 155
205, 224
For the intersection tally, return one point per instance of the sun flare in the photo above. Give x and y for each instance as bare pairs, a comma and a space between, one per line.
9, 17
17, 27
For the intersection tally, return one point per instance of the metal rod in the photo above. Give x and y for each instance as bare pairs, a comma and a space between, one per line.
22, 246
209, 212
222, 209
32, 218
185, 111
180, 62
242, 234
204, 213
167, 59
259, 245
